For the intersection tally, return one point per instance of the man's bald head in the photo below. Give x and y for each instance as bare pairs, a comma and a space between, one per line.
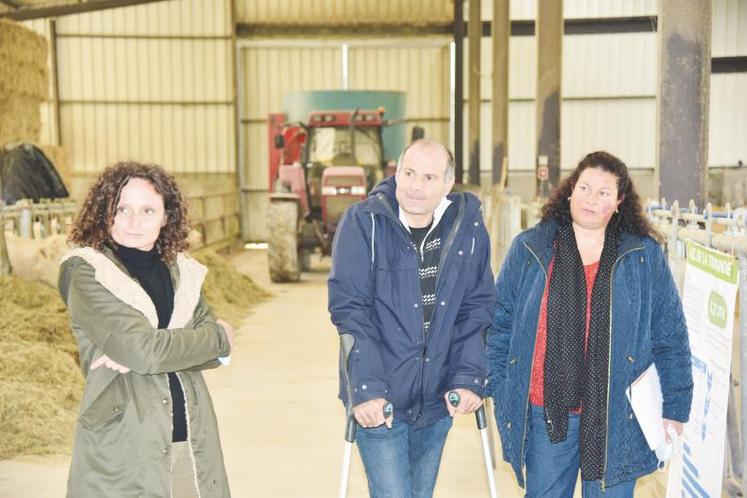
434, 149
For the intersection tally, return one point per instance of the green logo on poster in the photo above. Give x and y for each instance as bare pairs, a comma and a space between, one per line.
717, 310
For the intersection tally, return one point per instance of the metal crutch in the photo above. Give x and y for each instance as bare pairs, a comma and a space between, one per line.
347, 341
482, 427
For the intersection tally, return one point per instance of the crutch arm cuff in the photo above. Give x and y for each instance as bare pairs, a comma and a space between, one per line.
471, 383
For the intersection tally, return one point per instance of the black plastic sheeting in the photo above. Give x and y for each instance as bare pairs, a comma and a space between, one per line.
26, 173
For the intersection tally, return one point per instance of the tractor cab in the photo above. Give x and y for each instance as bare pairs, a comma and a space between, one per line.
317, 170
343, 139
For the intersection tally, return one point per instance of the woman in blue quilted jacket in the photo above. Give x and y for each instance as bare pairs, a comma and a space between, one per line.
586, 303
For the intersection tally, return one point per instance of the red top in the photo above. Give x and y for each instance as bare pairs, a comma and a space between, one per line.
537, 382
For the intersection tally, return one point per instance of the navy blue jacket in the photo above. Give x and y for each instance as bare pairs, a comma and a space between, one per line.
374, 294
647, 326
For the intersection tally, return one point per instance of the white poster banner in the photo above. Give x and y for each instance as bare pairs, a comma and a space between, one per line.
709, 298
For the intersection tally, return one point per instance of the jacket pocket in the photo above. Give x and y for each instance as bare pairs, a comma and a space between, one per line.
191, 385
107, 403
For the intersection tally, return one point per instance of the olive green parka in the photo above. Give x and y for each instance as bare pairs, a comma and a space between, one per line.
123, 434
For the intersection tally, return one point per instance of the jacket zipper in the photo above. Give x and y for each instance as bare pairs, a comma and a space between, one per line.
444, 253
450, 239
609, 367
526, 405
390, 211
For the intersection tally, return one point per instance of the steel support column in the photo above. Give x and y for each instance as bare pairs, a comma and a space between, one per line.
683, 99
549, 74
474, 33
501, 36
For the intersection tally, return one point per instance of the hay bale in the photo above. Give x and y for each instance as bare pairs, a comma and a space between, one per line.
42, 385
41, 381
21, 120
229, 292
37, 419
38, 362
25, 52
24, 82
34, 312
60, 157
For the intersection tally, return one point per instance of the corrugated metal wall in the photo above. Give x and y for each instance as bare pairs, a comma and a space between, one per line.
155, 81
151, 82
729, 28
342, 11
185, 18
609, 89
269, 71
573, 9
610, 105
419, 69
728, 112
727, 136
605, 106
417, 11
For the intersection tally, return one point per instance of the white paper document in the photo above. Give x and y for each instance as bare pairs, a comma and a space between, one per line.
645, 397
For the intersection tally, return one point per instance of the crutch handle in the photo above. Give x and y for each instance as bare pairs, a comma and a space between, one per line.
350, 426
388, 409
481, 418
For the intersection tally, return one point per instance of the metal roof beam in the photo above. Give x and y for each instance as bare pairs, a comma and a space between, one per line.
580, 26
25, 14
11, 4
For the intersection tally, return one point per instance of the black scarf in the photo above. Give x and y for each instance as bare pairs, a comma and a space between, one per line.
573, 379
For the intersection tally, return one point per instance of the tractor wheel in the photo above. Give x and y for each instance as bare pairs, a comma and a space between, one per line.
282, 244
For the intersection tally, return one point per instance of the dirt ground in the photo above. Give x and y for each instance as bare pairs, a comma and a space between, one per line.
281, 424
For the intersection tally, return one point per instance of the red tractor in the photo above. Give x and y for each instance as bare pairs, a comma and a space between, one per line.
317, 170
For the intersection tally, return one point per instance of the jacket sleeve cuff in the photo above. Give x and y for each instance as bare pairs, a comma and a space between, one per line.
224, 347
366, 391
473, 383
678, 415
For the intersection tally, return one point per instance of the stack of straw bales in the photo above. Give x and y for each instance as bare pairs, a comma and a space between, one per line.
40, 380
23, 82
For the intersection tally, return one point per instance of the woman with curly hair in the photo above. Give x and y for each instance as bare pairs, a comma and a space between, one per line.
586, 303
146, 425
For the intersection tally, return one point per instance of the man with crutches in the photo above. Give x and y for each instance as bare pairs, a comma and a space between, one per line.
411, 285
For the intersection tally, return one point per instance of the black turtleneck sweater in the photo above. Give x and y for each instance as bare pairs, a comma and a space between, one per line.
154, 277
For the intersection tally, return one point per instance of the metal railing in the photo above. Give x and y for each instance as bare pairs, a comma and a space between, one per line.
506, 217
227, 221
39, 220
725, 231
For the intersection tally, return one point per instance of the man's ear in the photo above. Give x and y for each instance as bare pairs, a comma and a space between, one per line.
450, 185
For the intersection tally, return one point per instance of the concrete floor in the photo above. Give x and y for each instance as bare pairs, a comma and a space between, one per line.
281, 424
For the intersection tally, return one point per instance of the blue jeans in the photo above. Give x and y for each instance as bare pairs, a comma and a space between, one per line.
552, 469
401, 462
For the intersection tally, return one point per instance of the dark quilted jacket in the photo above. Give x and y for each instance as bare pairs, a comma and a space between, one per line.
648, 326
